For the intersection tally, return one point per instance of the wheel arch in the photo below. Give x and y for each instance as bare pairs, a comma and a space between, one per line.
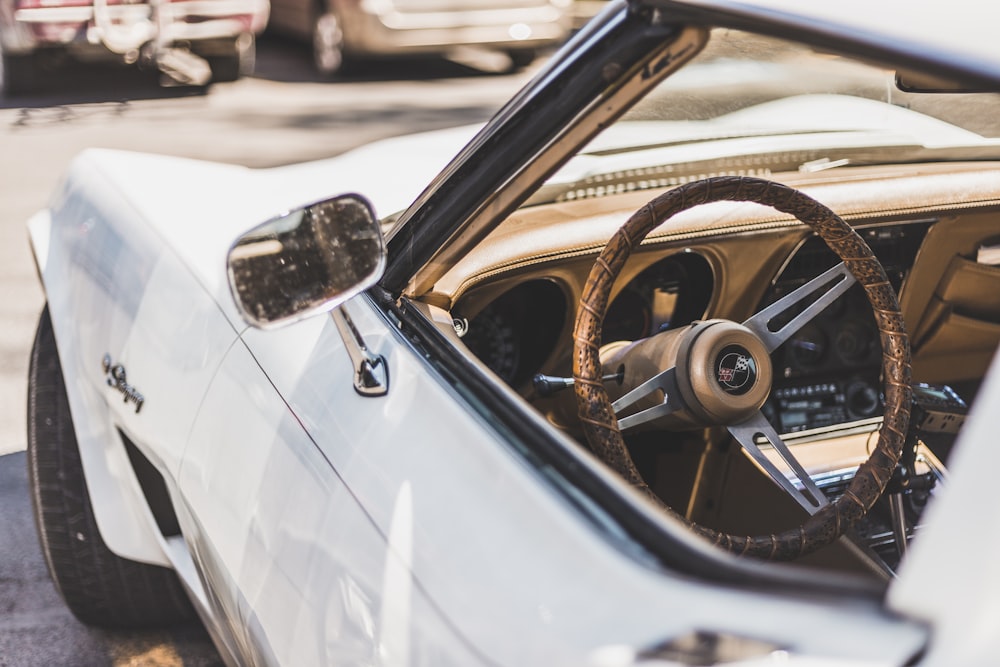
123, 517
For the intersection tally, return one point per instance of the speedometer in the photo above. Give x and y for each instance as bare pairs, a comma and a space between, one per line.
629, 317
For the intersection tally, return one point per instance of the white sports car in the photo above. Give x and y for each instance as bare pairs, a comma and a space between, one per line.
628, 383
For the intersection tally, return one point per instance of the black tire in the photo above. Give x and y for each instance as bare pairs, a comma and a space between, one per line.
99, 587
521, 58
224, 68
236, 60
18, 74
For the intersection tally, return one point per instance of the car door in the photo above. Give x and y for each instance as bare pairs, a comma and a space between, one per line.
409, 528
306, 569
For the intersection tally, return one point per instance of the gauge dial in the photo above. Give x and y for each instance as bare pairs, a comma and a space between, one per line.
629, 317
516, 333
491, 337
854, 341
670, 293
808, 347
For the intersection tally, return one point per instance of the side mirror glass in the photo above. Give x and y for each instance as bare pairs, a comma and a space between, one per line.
307, 261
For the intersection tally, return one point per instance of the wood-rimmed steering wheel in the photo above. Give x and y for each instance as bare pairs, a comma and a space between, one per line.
719, 372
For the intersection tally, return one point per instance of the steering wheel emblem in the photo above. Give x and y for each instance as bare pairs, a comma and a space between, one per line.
735, 370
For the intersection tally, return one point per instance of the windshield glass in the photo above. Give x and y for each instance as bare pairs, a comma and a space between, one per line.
752, 105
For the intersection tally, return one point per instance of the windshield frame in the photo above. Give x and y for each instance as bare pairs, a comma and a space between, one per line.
918, 43
588, 84
606, 69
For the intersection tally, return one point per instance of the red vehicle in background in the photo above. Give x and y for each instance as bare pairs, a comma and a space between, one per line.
192, 42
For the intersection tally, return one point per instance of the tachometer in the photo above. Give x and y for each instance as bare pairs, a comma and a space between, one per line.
670, 293
491, 337
515, 333
629, 316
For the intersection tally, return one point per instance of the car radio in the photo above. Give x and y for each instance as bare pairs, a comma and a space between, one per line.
804, 407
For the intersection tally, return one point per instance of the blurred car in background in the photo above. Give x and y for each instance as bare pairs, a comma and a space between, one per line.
584, 10
192, 42
343, 29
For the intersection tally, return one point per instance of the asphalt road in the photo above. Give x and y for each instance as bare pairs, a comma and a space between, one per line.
281, 115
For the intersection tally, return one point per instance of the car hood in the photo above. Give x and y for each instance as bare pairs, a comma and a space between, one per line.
798, 114
200, 208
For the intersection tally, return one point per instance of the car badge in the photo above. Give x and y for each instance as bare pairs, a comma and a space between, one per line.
115, 376
735, 370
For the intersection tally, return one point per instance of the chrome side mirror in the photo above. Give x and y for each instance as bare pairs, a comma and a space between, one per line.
307, 261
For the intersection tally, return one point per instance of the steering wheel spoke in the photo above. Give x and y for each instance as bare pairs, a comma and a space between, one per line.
665, 381
823, 290
805, 492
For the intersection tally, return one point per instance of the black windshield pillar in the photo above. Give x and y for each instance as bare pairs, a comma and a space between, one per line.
530, 137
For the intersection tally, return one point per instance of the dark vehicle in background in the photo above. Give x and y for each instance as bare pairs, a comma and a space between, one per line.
343, 29
191, 42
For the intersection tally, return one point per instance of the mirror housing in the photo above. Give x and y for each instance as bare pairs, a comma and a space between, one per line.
306, 261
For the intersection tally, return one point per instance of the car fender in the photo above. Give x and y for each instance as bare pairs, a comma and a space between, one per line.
76, 310
138, 338
132, 258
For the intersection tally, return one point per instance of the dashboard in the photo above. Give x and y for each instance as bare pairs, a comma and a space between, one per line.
515, 301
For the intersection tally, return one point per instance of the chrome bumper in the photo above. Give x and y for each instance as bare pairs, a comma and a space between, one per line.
124, 29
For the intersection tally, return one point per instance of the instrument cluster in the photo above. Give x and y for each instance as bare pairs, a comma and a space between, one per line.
518, 331
671, 293
828, 372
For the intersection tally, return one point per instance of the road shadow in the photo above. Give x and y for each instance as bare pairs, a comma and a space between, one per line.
67, 82
283, 59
